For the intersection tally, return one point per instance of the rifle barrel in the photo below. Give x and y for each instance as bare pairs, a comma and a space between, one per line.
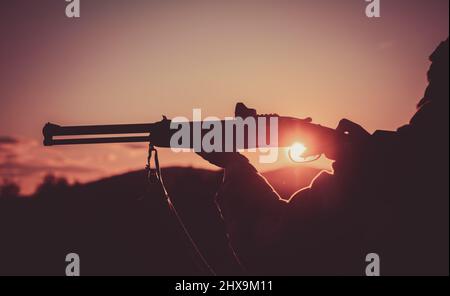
56, 130
52, 130
97, 140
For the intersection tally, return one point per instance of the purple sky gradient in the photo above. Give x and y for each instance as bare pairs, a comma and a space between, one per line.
134, 60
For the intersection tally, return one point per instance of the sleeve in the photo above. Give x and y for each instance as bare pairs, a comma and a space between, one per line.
252, 211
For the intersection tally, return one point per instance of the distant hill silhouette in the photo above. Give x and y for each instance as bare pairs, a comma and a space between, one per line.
120, 226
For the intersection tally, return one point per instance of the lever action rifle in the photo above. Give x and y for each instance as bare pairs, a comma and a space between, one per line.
318, 139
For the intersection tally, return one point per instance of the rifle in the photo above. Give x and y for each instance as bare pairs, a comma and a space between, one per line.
316, 138
290, 130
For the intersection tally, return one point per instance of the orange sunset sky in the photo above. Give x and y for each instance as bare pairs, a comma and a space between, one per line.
130, 61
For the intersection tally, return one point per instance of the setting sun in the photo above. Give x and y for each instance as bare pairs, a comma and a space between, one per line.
296, 151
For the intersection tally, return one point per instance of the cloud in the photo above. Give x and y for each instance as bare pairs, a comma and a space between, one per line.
15, 169
25, 161
136, 146
8, 140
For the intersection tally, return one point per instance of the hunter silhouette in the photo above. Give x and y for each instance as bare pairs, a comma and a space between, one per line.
388, 195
